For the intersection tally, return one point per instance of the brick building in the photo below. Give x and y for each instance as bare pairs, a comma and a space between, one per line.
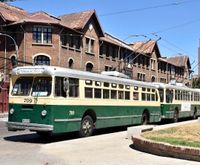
77, 41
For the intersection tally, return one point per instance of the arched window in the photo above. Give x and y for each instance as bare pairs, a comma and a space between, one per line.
41, 60
70, 63
153, 79
89, 67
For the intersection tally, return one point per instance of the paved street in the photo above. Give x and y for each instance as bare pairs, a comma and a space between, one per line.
22, 148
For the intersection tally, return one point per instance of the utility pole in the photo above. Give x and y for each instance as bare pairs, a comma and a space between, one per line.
199, 59
16, 49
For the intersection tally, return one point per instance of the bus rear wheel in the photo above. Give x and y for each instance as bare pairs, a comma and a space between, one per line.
87, 126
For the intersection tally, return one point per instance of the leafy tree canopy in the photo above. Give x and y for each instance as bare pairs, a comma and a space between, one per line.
196, 83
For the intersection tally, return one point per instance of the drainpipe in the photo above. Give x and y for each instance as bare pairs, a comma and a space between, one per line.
59, 51
5, 54
24, 53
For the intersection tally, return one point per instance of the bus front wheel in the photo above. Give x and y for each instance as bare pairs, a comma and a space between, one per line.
87, 126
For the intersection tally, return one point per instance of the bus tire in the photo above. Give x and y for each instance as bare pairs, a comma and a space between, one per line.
176, 116
145, 118
87, 126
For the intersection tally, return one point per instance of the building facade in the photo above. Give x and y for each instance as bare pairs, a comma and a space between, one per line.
77, 41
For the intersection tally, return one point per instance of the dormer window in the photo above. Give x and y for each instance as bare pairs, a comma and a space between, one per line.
89, 45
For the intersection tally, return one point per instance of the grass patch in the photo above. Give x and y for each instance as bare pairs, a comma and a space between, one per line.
185, 135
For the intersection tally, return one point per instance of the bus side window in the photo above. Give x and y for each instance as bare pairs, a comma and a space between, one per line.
113, 94
161, 93
59, 89
169, 95
73, 87
135, 96
88, 92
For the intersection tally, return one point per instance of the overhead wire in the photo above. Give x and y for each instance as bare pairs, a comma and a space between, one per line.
147, 8
175, 46
162, 30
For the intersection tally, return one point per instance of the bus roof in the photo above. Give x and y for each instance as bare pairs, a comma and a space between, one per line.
66, 72
175, 86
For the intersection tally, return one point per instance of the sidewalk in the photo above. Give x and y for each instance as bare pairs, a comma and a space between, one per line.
3, 116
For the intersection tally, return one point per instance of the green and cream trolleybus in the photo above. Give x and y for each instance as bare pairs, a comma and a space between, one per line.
178, 101
54, 99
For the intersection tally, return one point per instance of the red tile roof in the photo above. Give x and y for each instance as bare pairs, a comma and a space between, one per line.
77, 20
11, 13
146, 47
40, 17
114, 40
180, 61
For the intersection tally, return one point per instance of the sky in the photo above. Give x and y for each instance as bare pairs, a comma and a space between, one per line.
174, 23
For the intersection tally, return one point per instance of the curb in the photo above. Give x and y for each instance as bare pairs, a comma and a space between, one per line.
165, 149
3, 115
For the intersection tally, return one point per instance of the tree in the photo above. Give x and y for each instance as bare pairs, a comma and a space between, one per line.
196, 83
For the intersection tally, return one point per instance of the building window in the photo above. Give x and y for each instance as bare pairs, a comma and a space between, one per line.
109, 68
70, 63
141, 76
153, 64
42, 35
153, 79
163, 80
41, 60
89, 67
89, 45
71, 41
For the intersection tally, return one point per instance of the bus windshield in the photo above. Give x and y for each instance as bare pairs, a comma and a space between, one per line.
40, 86
22, 86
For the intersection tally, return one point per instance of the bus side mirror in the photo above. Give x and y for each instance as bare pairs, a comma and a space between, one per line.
65, 85
14, 61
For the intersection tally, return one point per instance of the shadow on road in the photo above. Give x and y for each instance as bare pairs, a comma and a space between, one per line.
34, 138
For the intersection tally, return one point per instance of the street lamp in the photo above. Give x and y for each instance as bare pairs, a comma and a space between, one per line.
16, 47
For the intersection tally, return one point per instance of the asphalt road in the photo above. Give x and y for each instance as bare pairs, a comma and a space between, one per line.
107, 147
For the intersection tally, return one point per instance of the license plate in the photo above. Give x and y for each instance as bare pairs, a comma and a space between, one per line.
25, 120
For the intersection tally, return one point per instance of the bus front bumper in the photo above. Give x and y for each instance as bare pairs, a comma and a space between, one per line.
14, 126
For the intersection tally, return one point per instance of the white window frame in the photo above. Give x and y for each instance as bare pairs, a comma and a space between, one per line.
42, 34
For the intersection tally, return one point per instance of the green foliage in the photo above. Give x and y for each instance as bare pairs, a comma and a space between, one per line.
196, 83
175, 141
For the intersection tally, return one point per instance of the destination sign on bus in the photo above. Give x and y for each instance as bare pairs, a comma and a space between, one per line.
30, 71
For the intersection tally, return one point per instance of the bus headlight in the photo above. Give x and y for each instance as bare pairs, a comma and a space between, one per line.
12, 111
44, 113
